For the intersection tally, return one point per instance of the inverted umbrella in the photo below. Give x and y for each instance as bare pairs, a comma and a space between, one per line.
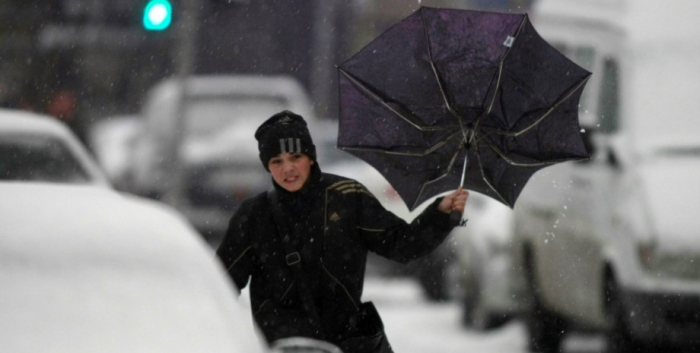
452, 97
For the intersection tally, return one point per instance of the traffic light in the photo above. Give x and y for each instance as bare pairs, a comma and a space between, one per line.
157, 15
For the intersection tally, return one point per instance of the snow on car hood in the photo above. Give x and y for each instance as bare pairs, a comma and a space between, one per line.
93, 219
673, 192
86, 269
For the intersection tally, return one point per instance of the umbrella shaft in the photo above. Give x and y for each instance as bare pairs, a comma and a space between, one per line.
464, 169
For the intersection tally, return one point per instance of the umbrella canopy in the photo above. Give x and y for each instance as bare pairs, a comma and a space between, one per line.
445, 88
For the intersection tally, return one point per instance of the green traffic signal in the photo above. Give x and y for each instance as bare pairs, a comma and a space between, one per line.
157, 15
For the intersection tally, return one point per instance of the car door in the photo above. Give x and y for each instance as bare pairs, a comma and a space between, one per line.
584, 243
591, 203
560, 252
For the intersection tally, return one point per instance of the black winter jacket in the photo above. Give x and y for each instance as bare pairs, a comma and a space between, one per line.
335, 221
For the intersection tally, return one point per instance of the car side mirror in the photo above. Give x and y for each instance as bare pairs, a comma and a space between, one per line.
612, 158
587, 137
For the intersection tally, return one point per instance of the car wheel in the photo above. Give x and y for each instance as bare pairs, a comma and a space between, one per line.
482, 319
432, 279
618, 336
469, 301
474, 314
545, 329
432, 273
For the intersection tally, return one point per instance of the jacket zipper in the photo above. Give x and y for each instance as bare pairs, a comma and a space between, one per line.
281, 298
342, 286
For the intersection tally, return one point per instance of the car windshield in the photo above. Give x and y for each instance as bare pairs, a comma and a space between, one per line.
585, 57
38, 158
209, 115
679, 151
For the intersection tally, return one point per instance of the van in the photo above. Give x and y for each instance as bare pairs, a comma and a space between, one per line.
207, 167
611, 244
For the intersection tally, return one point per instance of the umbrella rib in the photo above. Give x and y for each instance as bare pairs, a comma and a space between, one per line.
518, 164
447, 172
512, 162
556, 105
422, 154
485, 179
415, 204
382, 102
498, 81
545, 115
440, 143
487, 111
437, 78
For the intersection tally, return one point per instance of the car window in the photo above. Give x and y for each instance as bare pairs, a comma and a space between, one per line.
561, 47
609, 100
38, 158
583, 56
208, 115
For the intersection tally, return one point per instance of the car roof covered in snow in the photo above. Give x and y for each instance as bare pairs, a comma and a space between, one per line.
18, 122
87, 269
642, 21
25, 121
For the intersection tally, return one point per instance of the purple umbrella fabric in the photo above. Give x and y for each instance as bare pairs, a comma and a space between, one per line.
445, 84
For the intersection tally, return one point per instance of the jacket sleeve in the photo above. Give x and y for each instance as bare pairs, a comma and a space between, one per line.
390, 236
235, 250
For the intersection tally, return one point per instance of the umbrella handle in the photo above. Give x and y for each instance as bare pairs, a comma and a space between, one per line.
455, 218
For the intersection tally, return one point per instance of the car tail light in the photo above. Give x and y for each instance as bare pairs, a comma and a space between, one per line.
646, 253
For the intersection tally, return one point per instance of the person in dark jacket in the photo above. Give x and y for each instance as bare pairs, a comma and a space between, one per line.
304, 244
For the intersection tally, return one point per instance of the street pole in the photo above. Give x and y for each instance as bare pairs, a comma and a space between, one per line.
186, 28
323, 55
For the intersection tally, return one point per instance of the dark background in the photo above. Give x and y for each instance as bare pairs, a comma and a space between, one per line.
82, 60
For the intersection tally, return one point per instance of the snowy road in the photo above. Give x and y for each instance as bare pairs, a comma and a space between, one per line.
415, 325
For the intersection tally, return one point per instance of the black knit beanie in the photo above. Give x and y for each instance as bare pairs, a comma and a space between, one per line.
284, 132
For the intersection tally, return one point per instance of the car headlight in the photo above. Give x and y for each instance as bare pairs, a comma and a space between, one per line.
666, 264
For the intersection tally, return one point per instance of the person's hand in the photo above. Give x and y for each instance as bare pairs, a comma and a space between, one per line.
455, 201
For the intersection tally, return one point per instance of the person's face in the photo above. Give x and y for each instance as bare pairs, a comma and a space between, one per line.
290, 170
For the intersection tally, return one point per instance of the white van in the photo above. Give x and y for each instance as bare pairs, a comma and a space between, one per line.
217, 158
612, 244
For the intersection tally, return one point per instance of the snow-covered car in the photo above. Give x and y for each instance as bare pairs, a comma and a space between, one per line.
611, 244
36, 147
210, 164
484, 262
87, 269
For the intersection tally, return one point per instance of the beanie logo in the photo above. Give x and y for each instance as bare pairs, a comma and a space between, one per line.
290, 145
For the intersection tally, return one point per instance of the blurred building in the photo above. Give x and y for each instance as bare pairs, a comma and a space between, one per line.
304, 39
76, 59
81, 60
